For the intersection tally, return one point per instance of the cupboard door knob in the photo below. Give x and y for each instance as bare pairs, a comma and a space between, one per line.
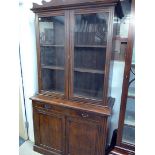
84, 115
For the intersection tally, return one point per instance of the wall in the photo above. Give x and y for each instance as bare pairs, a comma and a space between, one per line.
116, 91
29, 66
22, 129
28, 58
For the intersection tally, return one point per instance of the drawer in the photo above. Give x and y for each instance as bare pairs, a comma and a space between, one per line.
42, 105
68, 111
85, 115
48, 107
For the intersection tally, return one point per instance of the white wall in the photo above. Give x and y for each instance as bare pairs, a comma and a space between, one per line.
29, 66
116, 91
28, 58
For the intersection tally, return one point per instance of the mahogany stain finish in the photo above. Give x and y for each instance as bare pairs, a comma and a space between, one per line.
121, 151
63, 129
82, 133
70, 4
66, 124
50, 130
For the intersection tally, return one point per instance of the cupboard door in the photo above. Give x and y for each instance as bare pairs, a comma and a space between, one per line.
49, 131
84, 137
91, 42
52, 53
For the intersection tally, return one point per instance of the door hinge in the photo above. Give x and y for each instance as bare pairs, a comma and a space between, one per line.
27, 125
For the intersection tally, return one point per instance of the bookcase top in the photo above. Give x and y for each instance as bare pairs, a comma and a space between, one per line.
61, 4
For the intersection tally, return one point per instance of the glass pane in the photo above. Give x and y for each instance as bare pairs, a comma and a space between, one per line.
130, 112
90, 58
90, 54
91, 29
129, 134
53, 80
129, 122
52, 32
88, 84
52, 56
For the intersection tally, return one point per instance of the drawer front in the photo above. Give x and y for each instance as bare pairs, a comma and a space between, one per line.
82, 114
48, 107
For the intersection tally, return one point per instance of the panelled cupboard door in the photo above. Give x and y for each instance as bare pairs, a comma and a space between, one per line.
84, 137
49, 131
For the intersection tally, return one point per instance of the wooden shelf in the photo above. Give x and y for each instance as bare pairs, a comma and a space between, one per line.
83, 70
52, 67
91, 46
50, 45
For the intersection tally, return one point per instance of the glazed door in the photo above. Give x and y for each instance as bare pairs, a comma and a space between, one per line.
49, 131
52, 44
90, 43
84, 137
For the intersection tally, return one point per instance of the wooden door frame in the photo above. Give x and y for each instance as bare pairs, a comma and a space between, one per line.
128, 60
66, 48
88, 10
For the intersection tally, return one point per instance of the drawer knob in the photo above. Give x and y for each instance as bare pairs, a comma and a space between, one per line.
47, 106
84, 115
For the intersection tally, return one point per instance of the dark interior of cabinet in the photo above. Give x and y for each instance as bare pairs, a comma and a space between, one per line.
89, 64
52, 53
90, 54
53, 80
90, 58
52, 31
91, 29
88, 85
52, 56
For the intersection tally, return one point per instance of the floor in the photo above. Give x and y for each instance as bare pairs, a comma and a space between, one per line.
21, 141
27, 149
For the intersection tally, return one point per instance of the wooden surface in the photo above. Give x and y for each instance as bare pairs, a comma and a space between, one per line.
85, 138
66, 124
101, 110
49, 130
62, 128
121, 151
69, 17
62, 4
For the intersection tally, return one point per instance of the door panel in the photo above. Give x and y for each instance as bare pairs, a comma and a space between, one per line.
50, 128
52, 52
84, 138
90, 51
